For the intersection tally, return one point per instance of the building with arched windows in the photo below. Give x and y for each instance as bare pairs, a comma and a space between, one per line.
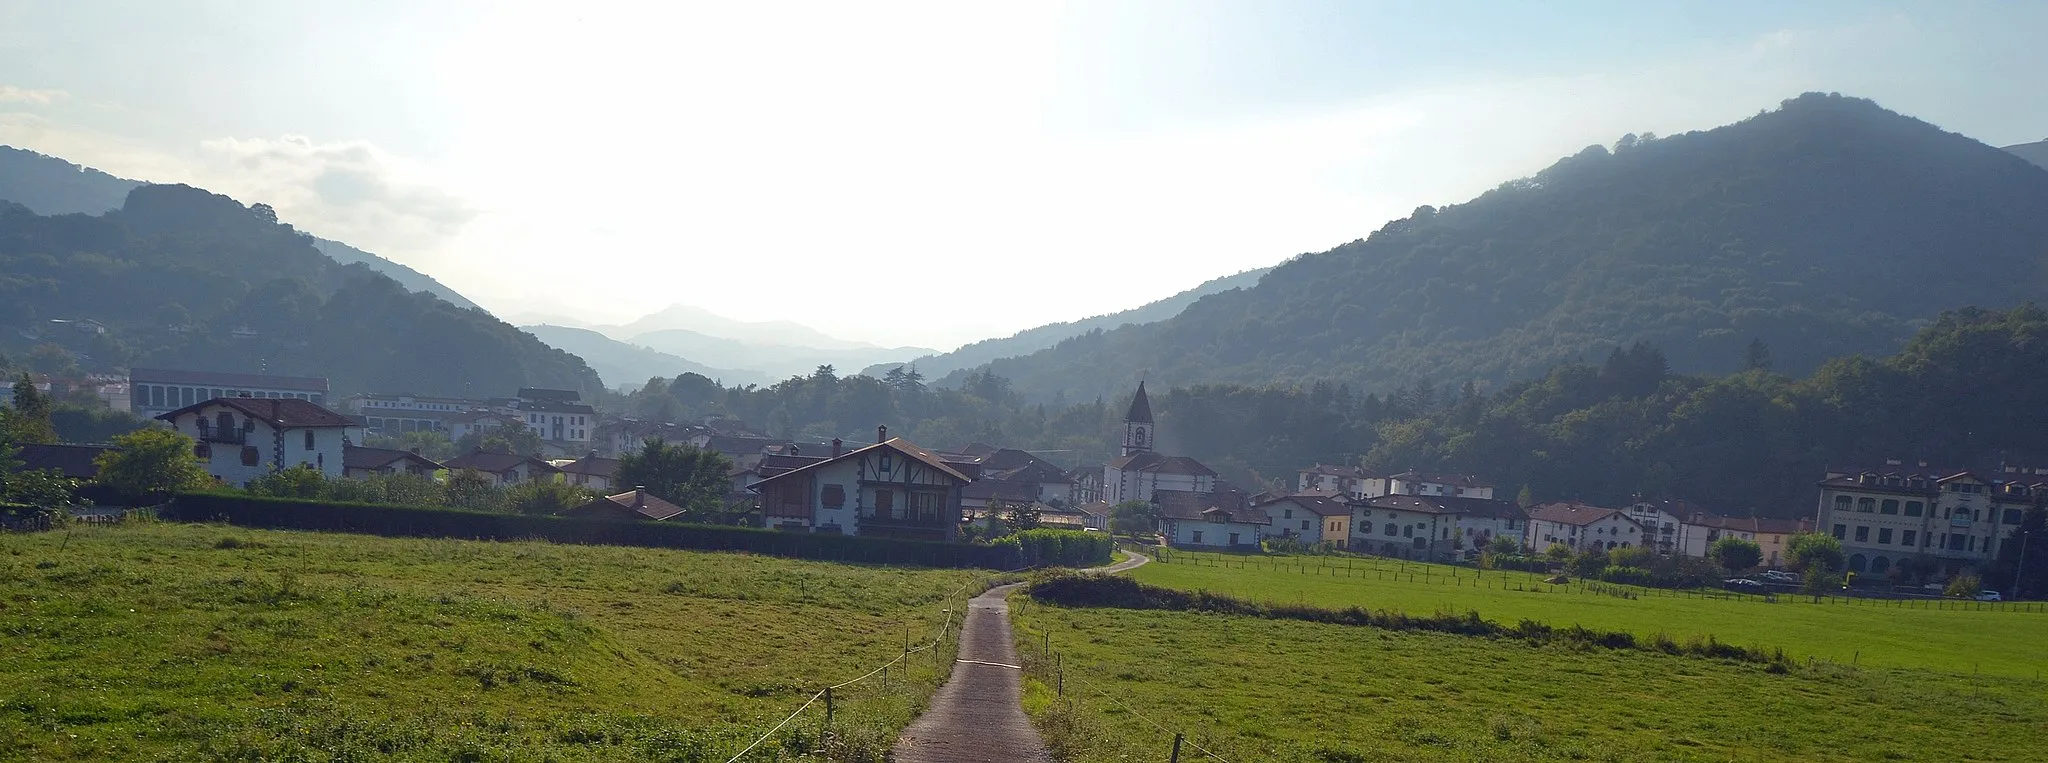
1940, 521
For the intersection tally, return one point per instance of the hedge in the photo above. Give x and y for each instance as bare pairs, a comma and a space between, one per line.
1034, 548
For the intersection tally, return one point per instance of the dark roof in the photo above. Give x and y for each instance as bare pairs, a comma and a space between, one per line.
977, 449
1416, 503
638, 502
1185, 504
74, 461
1483, 508
774, 464
592, 465
1135, 461
1320, 504
226, 380
358, 457
543, 393
1334, 471
1148, 461
1574, 513
993, 489
1750, 524
1141, 407
897, 444
554, 406
496, 463
285, 412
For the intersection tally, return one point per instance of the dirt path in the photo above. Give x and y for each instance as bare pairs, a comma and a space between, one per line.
976, 717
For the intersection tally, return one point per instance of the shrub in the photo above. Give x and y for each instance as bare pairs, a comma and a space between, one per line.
1062, 548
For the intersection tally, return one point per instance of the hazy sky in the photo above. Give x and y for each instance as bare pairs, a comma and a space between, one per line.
929, 173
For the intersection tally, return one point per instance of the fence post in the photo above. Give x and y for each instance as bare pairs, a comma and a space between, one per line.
828, 710
1060, 673
1176, 747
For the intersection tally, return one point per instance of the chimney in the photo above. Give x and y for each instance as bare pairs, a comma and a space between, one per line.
882, 433
835, 447
794, 450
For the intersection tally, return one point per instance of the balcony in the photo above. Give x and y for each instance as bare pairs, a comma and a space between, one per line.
224, 436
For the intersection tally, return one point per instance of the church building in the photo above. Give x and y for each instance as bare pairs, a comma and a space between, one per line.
1195, 508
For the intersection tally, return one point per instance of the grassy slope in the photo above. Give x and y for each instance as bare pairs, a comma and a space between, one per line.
1992, 640
1280, 691
180, 642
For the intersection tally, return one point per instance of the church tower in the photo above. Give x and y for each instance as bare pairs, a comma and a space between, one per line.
1139, 431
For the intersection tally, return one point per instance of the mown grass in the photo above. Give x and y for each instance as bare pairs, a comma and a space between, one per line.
1964, 638
203, 642
1252, 689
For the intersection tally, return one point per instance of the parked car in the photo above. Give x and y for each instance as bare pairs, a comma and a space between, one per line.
1934, 587
1780, 576
1989, 596
1742, 584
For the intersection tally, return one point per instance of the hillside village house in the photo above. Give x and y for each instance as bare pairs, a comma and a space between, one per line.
1480, 520
558, 415
1699, 531
1581, 527
1954, 518
243, 438
504, 468
1409, 527
892, 489
1311, 518
591, 471
1347, 481
1662, 530
634, 504
1419, 483
1222, 518
154, 392
359, 462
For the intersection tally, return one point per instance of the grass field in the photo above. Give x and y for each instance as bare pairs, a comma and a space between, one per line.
202, 642
1965, 638
1276, 691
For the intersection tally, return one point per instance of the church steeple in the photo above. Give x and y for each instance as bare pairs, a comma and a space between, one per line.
1138, 427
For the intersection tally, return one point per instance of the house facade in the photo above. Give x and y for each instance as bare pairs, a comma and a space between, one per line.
1699, 531
359, 462
1580, 527
1949, 520
591, 471
1663, 532
241, 439
1407, 527
1424, 484
1311, 518
892, 489
1347, 481
1481, 520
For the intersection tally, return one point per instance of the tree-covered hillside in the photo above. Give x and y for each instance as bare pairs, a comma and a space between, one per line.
2036, 152
1827, 227
188, 279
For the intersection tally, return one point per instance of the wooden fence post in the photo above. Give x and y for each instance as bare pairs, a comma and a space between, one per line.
1176, 748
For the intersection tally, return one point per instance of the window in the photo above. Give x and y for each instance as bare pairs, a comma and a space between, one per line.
1233, 539
2012, 516
249, 456
1197, 537
1843, 502
885, 502
1955, 542
1884, 535
1841, 531
1392, 530
1890, 506
1906, 537
1422, 543
1862, 534
924, 506
1304, 525
1913, 508
833, 496
309, 439
1866, 505
203, 451
1408, 531
888, 463
1287, 513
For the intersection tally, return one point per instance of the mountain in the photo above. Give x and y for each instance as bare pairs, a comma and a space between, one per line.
48, 185
2034, 152
183, 278
776, 361
1035, 339
628, 365
1829, 226
707, 323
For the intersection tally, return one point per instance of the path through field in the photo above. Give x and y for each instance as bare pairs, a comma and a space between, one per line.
976, 717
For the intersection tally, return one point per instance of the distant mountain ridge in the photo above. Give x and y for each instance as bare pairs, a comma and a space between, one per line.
702, 321
626, 366
776, 361
1034, 339
48, 185
2036, 152
1827, 227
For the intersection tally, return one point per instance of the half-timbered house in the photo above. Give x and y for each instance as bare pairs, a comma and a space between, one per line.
892, 488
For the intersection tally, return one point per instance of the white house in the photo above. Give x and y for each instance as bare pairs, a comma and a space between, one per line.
360, 462
1419, 483
1581, 527
504, 468
1140, 471
592, 471
1323, 478
1773, 536
557, 415
1409, 527
1663, 530
1480, 520
1954, 518
242, 438
1309, 517
892, 489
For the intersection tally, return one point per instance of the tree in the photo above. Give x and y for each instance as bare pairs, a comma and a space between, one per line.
2029, 543
263, 212
470, 489
28, 421
52, 359
152, 463
545, 497
1735, 554
1588, 564
1964, 586
45, 488
1134, 518
694, 479
300, 481
1757, 357
1814, 554
1502, 545
512, 439
1018, 515
428, 443
1630, 556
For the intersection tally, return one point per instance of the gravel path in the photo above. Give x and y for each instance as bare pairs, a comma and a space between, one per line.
976, 717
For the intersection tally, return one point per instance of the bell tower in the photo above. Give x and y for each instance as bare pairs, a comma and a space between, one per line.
1139, 431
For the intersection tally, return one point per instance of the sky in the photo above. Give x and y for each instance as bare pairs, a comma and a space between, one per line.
928, 174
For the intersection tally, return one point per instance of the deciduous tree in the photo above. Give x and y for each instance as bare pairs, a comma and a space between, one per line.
152, 463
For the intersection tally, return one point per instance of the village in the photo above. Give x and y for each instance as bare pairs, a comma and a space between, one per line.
1900, 525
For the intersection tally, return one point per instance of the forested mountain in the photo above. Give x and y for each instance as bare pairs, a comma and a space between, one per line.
1827, 227
48, 185
1035, 339
183, 278
2034, 152
628, 365
1966, 391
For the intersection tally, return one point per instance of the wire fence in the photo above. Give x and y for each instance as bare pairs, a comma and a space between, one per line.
1398, 570
1049, 667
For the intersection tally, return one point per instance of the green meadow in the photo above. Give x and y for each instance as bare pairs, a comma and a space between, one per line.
1276, 691
1948, 637
200, 642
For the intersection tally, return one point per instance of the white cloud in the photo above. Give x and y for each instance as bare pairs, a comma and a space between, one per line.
13, 94
349, 191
